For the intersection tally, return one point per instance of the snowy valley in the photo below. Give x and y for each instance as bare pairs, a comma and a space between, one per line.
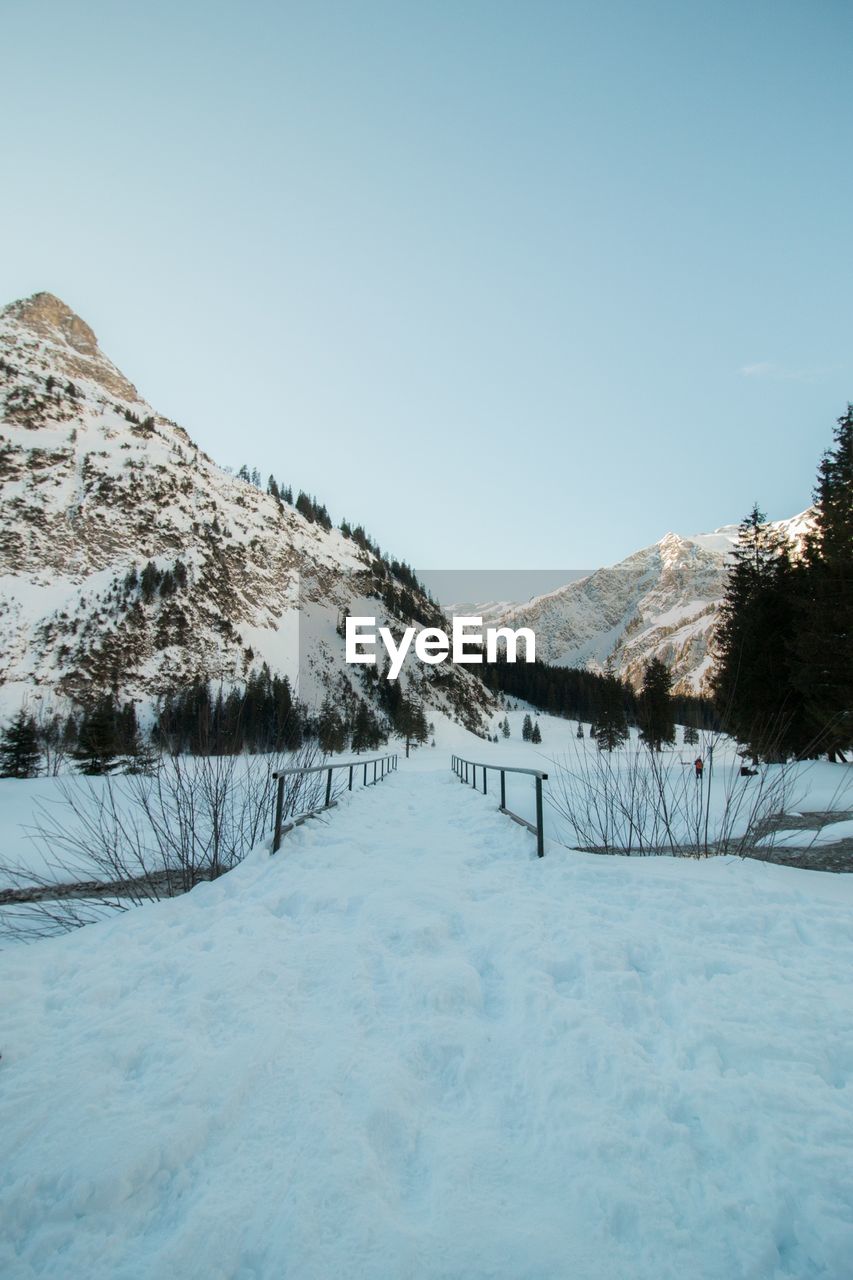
423, 854
404, 1045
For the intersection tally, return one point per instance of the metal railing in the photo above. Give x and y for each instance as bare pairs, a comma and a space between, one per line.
382, 765
461, 767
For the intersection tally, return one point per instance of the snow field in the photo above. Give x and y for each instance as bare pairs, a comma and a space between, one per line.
405, 1047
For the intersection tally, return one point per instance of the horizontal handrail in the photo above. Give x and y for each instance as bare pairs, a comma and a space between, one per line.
460, 767
381, 766
504, 768
322, 768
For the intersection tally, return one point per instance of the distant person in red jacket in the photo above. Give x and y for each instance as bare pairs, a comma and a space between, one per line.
699, 767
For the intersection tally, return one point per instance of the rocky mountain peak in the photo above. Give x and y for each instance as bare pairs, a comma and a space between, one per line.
130, 561
45, 324
50, 317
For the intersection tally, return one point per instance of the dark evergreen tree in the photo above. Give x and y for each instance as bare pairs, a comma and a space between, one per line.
20, 753
754, 641
331, 729
139, 754
536, 735
610, 722
656, 714
148, 581
98, 745
411, 723
691, 735
367, 733
361, 729
526, 729
822, 656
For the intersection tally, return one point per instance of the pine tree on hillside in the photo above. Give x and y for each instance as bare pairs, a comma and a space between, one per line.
536, 735
19, 749
411, 723
754, 638
823, 650
656, 714
610, 723
331, 730
579, 733
691, 736
505, 727
527, 729
98, 746
367, 732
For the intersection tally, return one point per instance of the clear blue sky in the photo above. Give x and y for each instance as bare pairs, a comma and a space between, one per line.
515, 285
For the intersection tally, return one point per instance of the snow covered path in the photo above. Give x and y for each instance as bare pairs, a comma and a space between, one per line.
406, 1048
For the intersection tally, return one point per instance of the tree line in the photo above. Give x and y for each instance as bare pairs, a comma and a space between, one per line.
783, 682
596, 697
261, 716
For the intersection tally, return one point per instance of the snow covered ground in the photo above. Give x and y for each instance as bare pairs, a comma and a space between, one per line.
810, 787
405, 1047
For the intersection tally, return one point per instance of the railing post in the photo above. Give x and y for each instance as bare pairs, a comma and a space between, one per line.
374, 772
350, 776
329, 788
540, 833
279, 808
485, 775
503, 789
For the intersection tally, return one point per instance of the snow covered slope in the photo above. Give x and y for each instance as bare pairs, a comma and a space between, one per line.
405, 1047
660, 602
95, 484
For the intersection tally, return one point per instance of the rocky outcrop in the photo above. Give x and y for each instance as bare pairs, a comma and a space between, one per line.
129, 560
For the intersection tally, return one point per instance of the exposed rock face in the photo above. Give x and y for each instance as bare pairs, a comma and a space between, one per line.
660, 602
47, 315
95, 484
53, 336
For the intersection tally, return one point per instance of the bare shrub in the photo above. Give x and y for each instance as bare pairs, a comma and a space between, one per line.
113, 842
641, 802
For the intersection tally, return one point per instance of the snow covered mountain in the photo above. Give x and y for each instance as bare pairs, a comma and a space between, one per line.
659, 602
96, 484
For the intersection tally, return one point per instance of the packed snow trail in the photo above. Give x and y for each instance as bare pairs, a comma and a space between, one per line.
405, 1047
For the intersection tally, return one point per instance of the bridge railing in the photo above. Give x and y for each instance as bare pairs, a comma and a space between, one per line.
381, 766
462, 768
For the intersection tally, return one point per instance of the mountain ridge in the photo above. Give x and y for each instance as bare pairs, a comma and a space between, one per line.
96, 484
661, 601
